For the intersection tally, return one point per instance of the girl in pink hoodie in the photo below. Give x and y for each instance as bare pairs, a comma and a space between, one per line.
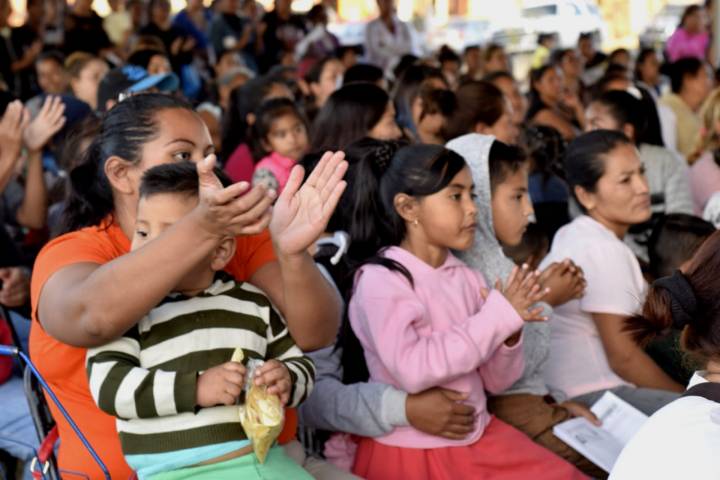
281, 136
424, 319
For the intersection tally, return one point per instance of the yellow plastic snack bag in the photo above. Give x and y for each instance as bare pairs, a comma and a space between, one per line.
262, 415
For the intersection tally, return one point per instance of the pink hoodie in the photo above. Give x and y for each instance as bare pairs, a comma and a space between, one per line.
439, 333
279, 166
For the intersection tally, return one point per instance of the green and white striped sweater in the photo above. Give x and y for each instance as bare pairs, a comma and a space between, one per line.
147, 378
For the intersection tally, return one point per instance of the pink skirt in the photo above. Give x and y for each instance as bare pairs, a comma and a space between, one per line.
501, 453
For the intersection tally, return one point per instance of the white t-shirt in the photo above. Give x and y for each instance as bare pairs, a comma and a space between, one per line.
577, 364
680, 441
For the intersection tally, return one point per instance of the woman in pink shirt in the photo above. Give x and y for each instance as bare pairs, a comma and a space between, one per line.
691, 39
705, 163
424, 319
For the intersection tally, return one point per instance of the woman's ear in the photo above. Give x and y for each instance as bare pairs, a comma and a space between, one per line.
586, 199
118, 174
629, 131
223, 254
407, 207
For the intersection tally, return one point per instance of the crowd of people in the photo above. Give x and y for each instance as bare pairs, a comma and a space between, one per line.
436, 261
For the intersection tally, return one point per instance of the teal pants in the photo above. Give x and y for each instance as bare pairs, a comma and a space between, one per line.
277, 466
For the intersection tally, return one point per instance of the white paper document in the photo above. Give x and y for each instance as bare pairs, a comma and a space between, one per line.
602, 445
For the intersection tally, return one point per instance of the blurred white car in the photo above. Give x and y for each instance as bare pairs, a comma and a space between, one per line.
567, 18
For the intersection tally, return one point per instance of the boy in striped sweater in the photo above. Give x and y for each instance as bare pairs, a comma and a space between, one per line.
169, 380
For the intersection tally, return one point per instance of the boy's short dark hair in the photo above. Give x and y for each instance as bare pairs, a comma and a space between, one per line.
504, 160
683, 68
180, 178
674, 240
363, 72
51, 56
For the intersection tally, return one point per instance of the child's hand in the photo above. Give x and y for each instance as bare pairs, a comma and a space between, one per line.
12, 125
276, 376
579, 410
523, 291
220, 385
565, 280
47, 123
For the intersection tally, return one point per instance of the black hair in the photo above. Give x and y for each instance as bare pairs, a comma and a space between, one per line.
51, 56
439, 101
471, 48
313, 75
674, 240
123, 132
683, 68
545, 146
179, 178
406, 61
690, 10
383, 171
493, 77
616, 52
408, 86
265, 115
143, 57
558, 55
503, 161
447, 54
348, 115
544, 37
363, 72
478, 102
244, 100
625, 109
644, 54
532, 248
536, 75
585, 158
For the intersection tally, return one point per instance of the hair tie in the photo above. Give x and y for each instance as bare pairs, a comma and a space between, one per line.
384, 154
683, 303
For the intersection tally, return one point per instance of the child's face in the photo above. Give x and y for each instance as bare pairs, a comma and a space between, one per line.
511, 207
288, 137
156, 214
448, 218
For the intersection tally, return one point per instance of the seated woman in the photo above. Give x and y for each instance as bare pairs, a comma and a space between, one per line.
482, 108
665, 171
683, 438
589, 351
551, 105
705, 169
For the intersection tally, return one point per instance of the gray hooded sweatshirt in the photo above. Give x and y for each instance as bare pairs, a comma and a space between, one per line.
487, 256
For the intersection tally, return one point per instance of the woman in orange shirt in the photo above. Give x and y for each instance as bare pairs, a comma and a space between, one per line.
87, 289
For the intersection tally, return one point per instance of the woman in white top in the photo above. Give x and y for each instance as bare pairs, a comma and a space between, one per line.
589, 351
682, 440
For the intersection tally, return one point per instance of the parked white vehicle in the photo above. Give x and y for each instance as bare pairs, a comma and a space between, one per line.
567, 18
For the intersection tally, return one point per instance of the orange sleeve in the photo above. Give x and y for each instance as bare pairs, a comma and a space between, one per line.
252, 253
89, 245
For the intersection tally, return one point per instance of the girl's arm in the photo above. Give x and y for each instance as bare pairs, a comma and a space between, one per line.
388, 326
33, 210
627, 359
503, 369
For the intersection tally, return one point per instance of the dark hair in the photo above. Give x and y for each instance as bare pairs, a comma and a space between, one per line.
686, 300
585, 158
180, 178
244, 100
348, 115
407, 88
642, 57
534, 243
545, 146
503, 161
498, 75
265, 115
536, 75
447, 54
363, 72
544, 37
438, 101
478, 102
123, 132
559, 55
683, 68
472, 48
313, 75
490, 50
51, 56
690, 10
625, 109
382, 172
615, 53
143, 57
674, 240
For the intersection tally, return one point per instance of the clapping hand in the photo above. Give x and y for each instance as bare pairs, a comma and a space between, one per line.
12, 125
303, 210
523, 291
49, 121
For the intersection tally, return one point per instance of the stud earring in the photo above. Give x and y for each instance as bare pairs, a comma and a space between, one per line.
415, 222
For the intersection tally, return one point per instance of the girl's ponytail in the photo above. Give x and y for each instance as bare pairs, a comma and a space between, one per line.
655, 319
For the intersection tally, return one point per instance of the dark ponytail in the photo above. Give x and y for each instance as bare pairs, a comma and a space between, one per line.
123, 132
688, 302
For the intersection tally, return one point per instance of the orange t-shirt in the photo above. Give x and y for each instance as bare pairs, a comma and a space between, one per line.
63, 366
